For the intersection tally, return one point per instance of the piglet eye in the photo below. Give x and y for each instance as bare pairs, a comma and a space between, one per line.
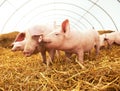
56, 34
18, 47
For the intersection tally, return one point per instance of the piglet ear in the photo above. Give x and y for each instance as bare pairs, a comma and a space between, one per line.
40, 38
65, 26
20, 37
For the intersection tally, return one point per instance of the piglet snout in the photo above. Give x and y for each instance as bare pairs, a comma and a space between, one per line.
27, 54
13, 50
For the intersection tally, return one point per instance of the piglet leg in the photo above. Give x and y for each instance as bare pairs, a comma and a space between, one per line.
52, 55
68, 55
80, 58
97, 48
43, 54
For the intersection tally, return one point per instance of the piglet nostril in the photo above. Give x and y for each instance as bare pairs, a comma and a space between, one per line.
13, 50
26, 53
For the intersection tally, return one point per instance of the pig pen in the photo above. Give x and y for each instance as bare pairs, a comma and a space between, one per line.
20, 73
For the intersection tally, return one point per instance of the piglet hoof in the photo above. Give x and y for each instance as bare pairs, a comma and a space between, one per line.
109, 47
68, 59
80, 64
48, 63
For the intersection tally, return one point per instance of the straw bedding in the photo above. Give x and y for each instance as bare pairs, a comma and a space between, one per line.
20, 73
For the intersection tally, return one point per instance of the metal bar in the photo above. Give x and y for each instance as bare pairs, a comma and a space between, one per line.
105, 13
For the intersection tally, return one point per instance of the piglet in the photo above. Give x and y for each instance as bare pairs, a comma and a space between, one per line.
71, 41
32, 35
113, 37
19, 43
18, 46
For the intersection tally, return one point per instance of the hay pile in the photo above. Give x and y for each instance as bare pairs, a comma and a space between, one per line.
19, 73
